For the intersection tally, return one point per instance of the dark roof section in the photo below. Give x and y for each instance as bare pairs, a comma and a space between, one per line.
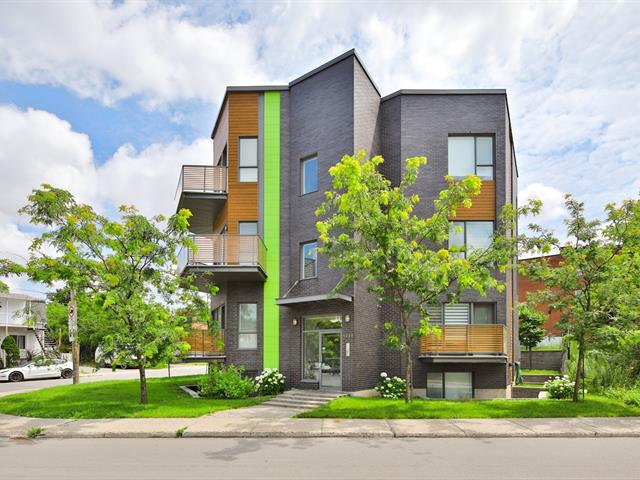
482, 91
334, 61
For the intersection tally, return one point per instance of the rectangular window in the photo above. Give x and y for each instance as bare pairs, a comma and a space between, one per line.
248, 228
472, 235
248, 171
450, 385
248, 326
457, 314
484, 313
309, 260
21, 340
469, 155
309, 175
435, 313
218, 317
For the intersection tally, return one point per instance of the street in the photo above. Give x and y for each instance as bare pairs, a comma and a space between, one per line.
7, 388
336, 458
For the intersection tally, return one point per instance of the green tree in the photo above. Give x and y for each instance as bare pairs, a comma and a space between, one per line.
11, 351
372, 234
67, 250
142, 293
593, 287
530, 330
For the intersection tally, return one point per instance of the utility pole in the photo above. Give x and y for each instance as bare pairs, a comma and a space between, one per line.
73, 335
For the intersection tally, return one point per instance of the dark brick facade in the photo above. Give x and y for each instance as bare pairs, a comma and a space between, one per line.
337, 110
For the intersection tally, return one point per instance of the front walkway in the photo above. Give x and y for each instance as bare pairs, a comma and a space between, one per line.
264, 421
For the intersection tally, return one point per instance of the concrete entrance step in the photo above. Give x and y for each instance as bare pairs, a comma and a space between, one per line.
303, 399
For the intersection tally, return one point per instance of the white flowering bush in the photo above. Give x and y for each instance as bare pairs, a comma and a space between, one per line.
559, 387
391, 387
270, 382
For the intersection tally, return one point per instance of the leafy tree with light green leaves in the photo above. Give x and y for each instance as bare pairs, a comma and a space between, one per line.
371, 232
596, 286
66, 252
140, 289
530, 330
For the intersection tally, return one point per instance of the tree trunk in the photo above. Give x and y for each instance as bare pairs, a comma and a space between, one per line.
531, 358
73, 333
408, 376
143, 385
579, 371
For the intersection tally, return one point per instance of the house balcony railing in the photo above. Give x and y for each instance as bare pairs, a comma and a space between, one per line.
225, 255
202, 179
466, 340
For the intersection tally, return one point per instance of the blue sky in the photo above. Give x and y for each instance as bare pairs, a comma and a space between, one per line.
109, 99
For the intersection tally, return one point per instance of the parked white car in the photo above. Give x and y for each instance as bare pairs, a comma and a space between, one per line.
34, 370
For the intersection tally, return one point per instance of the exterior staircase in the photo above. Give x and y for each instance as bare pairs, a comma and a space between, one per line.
304, 399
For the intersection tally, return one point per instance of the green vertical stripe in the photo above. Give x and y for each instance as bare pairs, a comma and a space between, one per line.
271, 343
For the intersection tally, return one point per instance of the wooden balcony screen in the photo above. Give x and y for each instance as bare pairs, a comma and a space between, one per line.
228, 249
466, 339
205, 343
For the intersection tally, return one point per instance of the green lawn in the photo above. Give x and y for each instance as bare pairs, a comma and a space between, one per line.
531, 385
545, 348
540, 372
382, 408
117, 399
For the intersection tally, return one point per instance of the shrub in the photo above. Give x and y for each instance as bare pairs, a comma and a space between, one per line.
391, 387
630, 396
226, 382
270, 382
559, 387
11, 351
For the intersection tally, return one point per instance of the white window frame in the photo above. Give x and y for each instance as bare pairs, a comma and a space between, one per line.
247, 332
475, 154
242, 167
315, 270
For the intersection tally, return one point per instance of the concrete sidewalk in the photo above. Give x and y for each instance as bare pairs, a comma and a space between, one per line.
262, 421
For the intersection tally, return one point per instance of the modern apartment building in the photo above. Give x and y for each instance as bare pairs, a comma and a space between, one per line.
254, 224
23, 318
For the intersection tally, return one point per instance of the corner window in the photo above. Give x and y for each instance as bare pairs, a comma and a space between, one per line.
248, 326
309, 260
470, 236
309, 170
248, 163
471, 156
450, 385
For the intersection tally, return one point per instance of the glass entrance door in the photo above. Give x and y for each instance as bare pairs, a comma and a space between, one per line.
331, 368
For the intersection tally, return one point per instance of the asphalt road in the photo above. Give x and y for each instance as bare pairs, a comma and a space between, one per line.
7, 388
330, 458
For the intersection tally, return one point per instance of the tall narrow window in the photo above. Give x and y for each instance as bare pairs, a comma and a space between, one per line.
309, 260
309, 175
248, 326
470, 155
248, 171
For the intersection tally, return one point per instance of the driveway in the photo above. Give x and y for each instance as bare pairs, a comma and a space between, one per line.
102, 374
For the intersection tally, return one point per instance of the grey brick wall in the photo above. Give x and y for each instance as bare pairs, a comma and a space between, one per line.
366, 113
243, 292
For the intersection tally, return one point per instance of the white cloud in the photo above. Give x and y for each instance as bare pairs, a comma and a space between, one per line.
109, 52
552, 201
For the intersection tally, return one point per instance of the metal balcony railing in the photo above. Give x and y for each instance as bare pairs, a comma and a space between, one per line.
466, 339
225, 251
202, 179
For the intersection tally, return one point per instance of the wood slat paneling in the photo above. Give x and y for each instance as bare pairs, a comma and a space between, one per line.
484, 204
465, 339
243, 122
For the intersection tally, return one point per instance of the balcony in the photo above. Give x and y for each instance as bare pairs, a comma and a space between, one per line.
228, 257
204, 343
203, 190
466, 343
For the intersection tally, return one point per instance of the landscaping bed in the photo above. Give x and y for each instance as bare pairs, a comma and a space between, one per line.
382, 408
118, 399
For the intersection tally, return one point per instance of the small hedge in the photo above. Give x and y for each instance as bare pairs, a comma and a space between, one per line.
226, 382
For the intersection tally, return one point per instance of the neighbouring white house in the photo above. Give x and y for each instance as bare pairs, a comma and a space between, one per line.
24, 318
